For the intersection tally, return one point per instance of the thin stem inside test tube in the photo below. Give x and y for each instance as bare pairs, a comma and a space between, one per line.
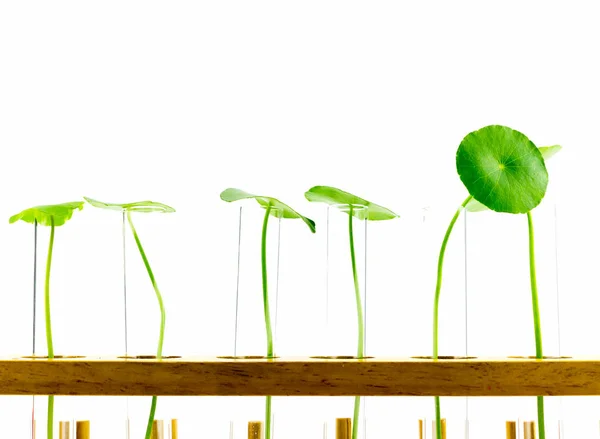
327, 336
124, 284
365, 327
466, 281
123, 236
237, 285
35, 226
277, 280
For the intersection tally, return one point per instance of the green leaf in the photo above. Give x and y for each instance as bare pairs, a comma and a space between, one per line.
60, 213
140, 206
547, 152
334, 196
502, 169
232, 194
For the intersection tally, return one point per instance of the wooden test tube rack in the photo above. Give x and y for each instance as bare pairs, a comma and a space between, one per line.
300, 377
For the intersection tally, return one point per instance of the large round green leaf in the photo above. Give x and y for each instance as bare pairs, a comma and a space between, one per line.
232, 194
333, 196
547, 152
54, 214
502, 169
139, 206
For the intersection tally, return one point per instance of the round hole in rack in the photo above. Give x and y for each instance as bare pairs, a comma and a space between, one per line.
443, 357
533, 357
339, 357
246, 357
148, 357
56, 357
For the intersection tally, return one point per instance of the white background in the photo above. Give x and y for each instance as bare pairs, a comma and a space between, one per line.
174, 102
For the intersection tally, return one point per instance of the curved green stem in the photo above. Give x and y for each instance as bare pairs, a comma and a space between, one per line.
359, 310
356, 415
151, 418
47, 292
436, 302
50, 423
263, 258
162, 316
154, 285
537, 326
359, 314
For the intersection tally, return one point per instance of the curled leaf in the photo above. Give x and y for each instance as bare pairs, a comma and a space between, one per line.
56, 214
502, 169
139, 206
232, 194
334, 196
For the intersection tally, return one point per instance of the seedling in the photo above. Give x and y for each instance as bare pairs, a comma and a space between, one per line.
143, 206
51, 215
355, 208
272, 207
505, 172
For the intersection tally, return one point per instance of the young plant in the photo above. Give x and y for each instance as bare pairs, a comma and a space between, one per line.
272, 207
505, 172
374, 212
127, 208
52, 215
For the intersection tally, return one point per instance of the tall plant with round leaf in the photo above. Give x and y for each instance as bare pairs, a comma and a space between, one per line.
145, 207
355, 208
505, 172
273, 207
54, 215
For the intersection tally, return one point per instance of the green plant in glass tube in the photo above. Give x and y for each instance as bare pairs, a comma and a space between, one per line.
505, 172
273, 207
143, 206
355, 209
53, 216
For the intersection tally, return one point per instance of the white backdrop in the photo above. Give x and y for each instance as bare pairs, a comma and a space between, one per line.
174, 102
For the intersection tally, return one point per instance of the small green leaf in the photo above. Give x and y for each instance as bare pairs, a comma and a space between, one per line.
140, 206
232, 194
59, 213
475, 206
334, 196
547, 152
502, 169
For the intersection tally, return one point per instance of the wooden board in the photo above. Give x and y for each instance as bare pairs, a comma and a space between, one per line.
300, 377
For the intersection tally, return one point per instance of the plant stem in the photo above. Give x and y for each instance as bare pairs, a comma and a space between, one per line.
47, 292
438, 288
151, 417
356, 415
50, 423
263, 258
359, 314
162, 316
537, 326
359, 311
268, 417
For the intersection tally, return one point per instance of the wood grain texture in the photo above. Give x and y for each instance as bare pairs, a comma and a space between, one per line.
300, 377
